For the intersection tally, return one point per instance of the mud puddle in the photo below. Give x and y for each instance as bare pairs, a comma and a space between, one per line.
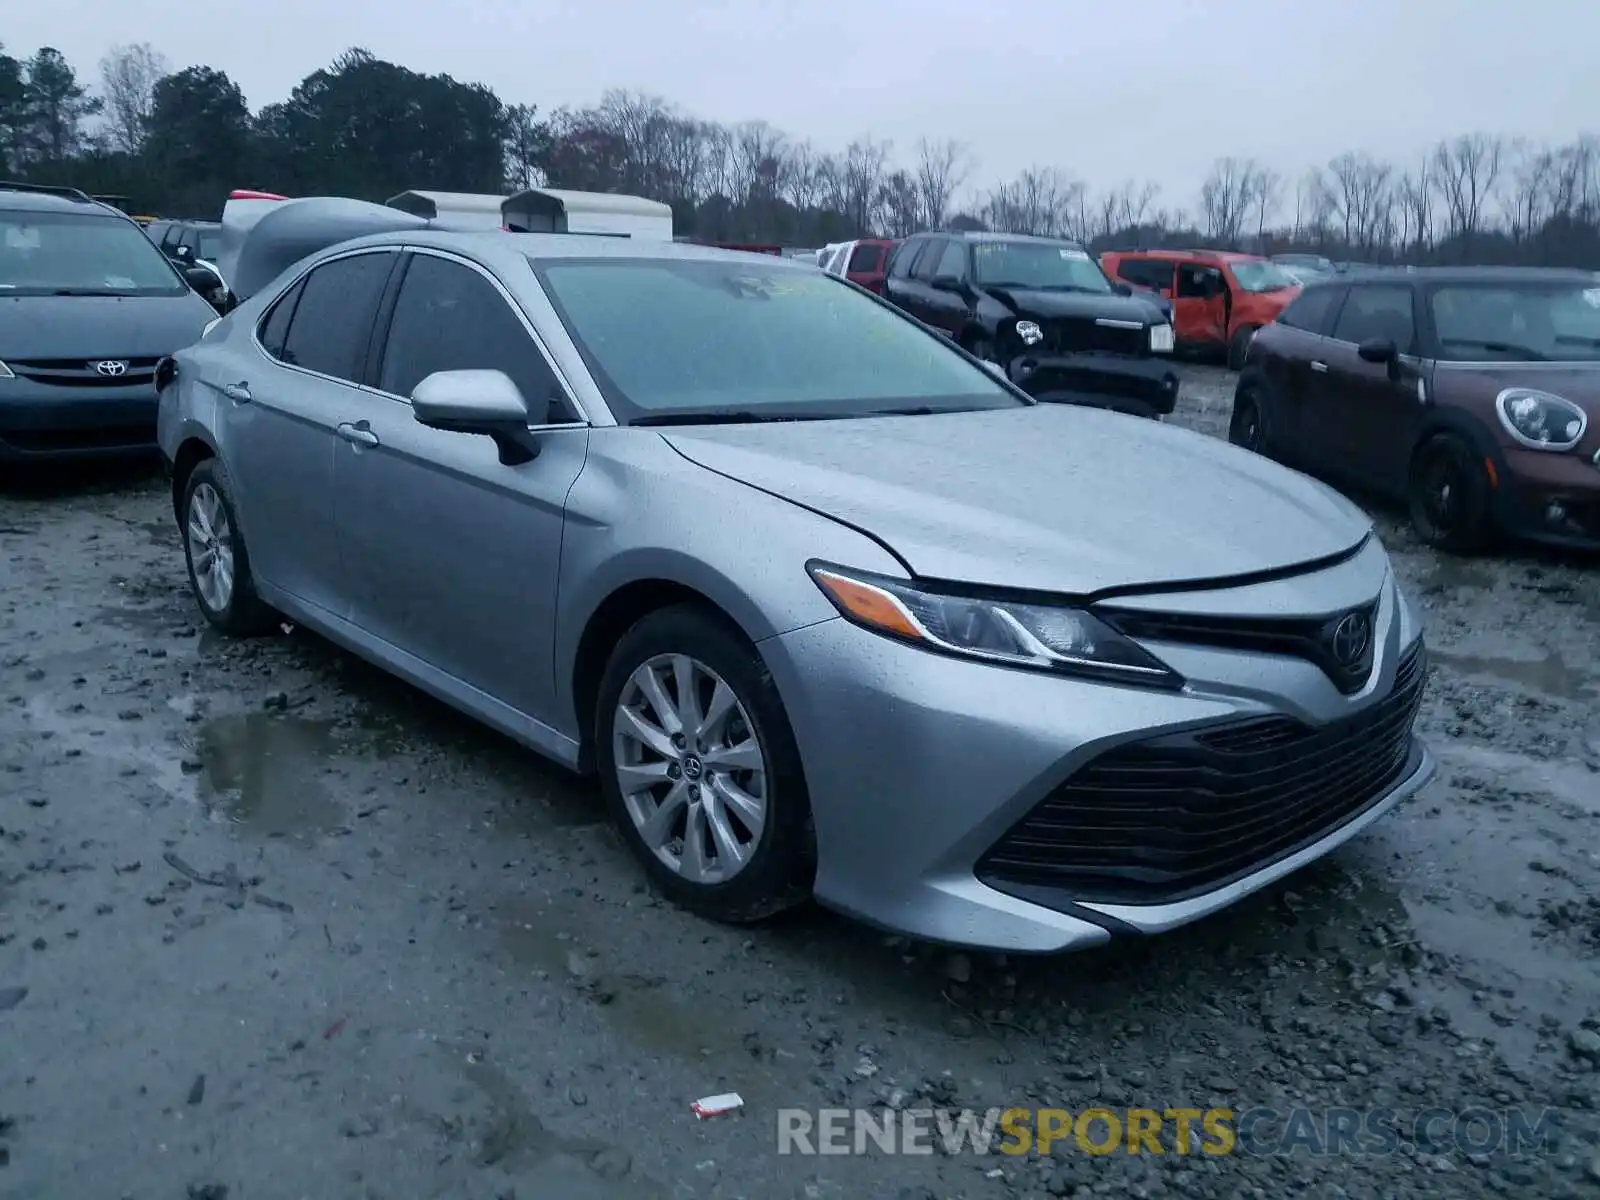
268, 773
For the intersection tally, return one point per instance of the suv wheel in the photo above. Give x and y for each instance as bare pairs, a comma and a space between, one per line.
700, 769
1239, 346
214, 549
1448, 496
1247, 426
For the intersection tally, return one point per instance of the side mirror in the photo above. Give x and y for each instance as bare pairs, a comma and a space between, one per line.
1378, 350
202, 279
946, 283
487, 403
183, 254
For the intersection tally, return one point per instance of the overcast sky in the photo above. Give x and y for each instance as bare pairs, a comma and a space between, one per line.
1154, 89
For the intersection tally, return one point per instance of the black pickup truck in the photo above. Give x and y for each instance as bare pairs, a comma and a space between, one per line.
1044, 311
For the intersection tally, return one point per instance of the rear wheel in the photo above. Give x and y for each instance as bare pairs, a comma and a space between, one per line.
214, 549
1239, 346
1247, 427
1449, 496
700, 768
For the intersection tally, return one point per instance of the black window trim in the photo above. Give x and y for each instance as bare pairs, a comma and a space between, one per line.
912, 251
386, 305
255, 331
1407, 355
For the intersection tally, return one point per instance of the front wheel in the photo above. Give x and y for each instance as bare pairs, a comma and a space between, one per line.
1448, 496
700, 769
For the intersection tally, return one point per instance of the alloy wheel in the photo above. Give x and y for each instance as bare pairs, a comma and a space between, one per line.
210, 539
690, 768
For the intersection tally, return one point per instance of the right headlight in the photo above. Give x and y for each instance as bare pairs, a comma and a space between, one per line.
1029, 333
1007, 632
5, 372
1541, 420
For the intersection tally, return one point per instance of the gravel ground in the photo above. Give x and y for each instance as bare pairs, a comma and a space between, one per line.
275, 926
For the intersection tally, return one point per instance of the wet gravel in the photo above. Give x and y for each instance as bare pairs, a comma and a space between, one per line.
274, 925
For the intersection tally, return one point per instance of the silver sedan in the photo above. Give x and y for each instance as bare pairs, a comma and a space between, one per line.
828, 608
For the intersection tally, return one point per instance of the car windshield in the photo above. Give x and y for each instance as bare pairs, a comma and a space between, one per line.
683, 337
43, 254
1038, 266
1262, 276
1522, 322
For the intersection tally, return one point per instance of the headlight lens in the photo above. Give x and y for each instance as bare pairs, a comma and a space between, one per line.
1161, 339
1541, 420
1043, 637
1030, 333
5, 372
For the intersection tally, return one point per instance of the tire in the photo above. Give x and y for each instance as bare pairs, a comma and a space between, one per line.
1247, 427
777, 866
1448, 496
1239, 346
211, 537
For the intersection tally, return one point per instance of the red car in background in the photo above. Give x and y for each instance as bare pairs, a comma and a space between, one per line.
864, 262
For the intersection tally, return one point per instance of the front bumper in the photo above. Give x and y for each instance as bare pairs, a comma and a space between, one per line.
51, 422
920, 765
1146, 387
1553, 499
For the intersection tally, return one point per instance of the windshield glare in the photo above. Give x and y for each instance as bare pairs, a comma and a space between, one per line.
1518, 322
696, 336
46, 253
1038, 266
1262, 276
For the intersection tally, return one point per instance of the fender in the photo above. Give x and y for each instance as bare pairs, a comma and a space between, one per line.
1481, 439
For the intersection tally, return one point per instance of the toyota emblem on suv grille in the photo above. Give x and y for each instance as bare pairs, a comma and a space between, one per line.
1350, 639
111, 366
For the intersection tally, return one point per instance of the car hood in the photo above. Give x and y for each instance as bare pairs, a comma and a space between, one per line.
42, 327
1052, 306
1054, 499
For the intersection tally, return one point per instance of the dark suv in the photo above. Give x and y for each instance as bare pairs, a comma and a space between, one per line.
1471, 393
1043, 311
87, 308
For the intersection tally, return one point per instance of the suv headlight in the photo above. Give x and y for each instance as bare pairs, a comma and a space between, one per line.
1007, 632
5, 372
1029, 333
1541, 420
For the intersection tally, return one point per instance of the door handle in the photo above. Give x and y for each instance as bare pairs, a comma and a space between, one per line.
360, 435
1319, 367
239, 393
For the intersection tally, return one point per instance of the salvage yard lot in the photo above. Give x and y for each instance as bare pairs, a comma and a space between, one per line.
286, 927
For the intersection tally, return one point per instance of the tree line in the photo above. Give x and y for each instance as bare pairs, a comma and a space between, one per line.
176, 141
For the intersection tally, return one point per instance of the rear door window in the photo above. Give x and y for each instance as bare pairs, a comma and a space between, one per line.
331, 328
865, 259
276, 325
1311, 310
929, 259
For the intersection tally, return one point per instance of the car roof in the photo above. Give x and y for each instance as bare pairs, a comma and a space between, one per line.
35, 198
1461, 275
984, 235
490, 244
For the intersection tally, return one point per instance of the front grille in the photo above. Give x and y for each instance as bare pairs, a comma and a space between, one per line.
1172, 817
50, 441
80, 372
1072, 336
1310, 639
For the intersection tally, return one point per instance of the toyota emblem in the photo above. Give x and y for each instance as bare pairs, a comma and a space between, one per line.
1351, 638
112, 367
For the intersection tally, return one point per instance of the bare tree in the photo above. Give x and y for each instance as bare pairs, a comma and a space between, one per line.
1226, 196
1532, 189
1041, 200
861, 175
128, 77
1123, 207
1313, 207
1467, 169
1265, 197
1415, 193
942, 167
898, 210
1364, 199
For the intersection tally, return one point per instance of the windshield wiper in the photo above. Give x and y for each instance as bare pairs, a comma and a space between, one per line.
1527, 352
87, 292
727, 418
